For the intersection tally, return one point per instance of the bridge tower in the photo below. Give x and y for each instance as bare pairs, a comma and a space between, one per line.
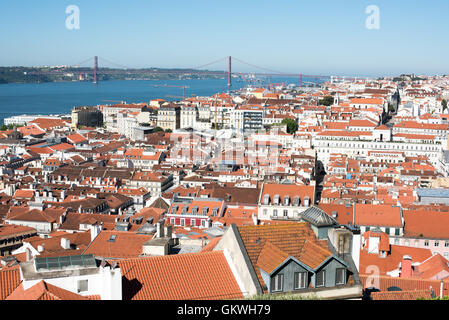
229, 74
95, 69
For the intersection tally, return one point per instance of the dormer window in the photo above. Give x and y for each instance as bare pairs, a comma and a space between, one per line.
296, 201
286, 200
205, 210
306, 201
276, 199
266, 199
340, 277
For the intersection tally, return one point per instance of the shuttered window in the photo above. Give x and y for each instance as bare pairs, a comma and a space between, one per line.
320, 278
340, 277
277, 283
300, 280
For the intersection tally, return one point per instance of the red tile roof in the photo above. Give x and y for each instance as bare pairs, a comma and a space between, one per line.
426, 224
43, 291
126, 244
402, 295
406, 284
377, 215
9, 281
391, 262
195, 276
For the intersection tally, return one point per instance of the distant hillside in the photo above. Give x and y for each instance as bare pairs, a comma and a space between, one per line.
38, 75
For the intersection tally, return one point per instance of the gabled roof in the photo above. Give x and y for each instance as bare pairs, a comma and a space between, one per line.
270, 257
289, 238
43, 291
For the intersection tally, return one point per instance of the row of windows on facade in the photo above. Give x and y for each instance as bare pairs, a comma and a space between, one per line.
382, 146
436, 243
286, 200
397, 231
301, 280
193, 222
195, 210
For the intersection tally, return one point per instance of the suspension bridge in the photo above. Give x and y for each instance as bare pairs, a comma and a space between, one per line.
110, 68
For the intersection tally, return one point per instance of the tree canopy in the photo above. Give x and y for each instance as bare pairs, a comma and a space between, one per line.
292, 126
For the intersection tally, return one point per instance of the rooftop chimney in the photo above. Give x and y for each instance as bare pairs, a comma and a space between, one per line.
406, 267
65, 243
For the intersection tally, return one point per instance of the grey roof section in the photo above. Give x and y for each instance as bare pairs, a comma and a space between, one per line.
318, 217
214, 232
180, 249
147, 228
122, 226
433, 193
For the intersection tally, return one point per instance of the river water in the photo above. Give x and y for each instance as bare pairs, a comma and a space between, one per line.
61, 97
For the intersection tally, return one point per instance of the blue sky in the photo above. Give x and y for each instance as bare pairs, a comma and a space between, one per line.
312, 37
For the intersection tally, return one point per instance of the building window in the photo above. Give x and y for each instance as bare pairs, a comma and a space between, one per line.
396, 232
192, 222
277, 283
320, 278
446, 244
285, 213
436, 243
275, 213
300, 280
340, 277
387, 231
183, 222
83, 286
426, 243
396, 241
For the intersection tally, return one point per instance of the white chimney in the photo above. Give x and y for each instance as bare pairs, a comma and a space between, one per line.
159, 230
355, 250
40, 248
95, 231
168, 231
28, 254
255, 221
65, 243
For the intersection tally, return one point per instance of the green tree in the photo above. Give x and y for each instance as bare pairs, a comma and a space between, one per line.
292, 126
327, 101
168, 131
444, 104
158, 129
3, 127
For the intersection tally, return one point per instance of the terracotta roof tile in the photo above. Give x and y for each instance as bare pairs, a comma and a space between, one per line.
270, 257
43, 291
9, 281
195, 276
125, 245
402, 295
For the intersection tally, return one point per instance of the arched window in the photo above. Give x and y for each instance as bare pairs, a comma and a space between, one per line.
266, 199
276, 199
